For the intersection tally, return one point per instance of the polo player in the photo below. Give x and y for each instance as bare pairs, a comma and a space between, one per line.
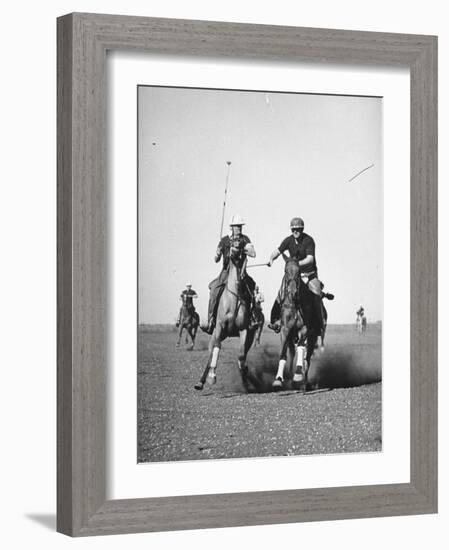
187, 297
235, 243
301, 247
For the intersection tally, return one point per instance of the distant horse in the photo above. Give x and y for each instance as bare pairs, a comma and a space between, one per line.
189, 320
300, 327
260, 320
233, 319
361, 324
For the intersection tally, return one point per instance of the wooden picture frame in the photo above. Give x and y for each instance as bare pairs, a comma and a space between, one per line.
83, 40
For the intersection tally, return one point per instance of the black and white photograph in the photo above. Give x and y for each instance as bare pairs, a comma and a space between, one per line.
260, 274
224, 234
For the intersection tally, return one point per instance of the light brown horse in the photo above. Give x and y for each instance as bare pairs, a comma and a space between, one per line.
233, 319
300, 327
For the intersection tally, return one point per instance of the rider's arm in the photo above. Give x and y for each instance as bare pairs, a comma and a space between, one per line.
275, 254
307, 261
310, 253
219, 252
249, 250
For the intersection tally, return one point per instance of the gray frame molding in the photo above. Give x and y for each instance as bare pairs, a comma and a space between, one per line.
83, 40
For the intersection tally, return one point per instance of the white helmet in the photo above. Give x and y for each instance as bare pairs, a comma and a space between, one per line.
236, 220
189, 284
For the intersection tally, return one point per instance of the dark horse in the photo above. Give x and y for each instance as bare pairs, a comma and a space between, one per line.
300, 327
189, 320
233, 319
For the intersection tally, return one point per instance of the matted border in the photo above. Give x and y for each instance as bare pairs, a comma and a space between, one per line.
83, 40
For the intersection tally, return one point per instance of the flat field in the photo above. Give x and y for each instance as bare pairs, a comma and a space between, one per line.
177, 422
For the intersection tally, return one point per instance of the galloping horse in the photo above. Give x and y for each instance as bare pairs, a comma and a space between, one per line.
300, 326
189, 320
233, 319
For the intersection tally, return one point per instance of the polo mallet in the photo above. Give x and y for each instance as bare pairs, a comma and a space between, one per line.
257, 265
228, 162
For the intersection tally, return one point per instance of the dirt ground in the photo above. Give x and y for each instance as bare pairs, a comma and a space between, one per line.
177, 422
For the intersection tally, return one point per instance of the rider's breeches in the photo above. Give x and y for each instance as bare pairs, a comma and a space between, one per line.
215, 287
315, 286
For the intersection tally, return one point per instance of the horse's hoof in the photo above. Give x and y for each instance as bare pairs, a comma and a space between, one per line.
199, 386
177, 345
298, 378
277, 384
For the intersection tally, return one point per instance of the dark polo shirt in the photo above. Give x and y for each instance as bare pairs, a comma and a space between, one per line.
187, 297
299, 249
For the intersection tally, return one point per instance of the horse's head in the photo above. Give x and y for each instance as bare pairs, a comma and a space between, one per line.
291, 270
292, 278
237, 254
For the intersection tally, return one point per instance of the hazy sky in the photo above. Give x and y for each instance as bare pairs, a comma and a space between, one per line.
292, 155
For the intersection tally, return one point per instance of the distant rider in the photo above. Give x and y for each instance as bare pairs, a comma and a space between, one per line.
234, 243
360, 312
187, 297
301, 247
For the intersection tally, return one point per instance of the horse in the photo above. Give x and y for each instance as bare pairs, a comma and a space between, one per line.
361, 323
233, 319
189, 320
300, 327
260, 320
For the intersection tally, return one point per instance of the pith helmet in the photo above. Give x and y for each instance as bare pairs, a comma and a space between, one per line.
237, 220
297, 222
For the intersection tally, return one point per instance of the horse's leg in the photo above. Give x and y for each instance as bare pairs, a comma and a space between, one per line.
190, 333
194, 331
200, 384
246, 340
214, 348
299, 376
279, 378
311, 342
181, 326
209, 375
